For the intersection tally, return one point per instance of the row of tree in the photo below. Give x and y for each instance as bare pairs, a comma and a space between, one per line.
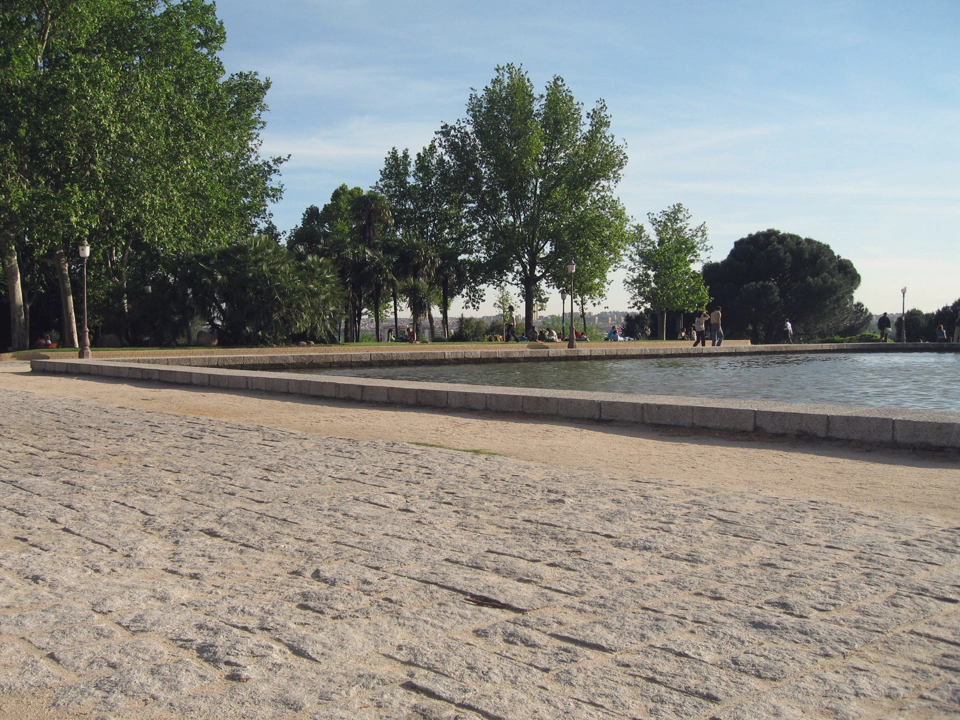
119, 126
123, 130
523, 185
509, 194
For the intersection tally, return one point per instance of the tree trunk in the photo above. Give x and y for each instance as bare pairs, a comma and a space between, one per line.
444, 309
396, 317
19, 336
377, 293
433, 331
69, 336
663, 325
528, 305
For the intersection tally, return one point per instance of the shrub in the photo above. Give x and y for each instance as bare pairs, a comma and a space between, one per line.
470, 329
862, 337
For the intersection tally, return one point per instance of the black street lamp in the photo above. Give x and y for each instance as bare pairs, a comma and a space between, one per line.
572, 343
903, 315
563, 309
85, 337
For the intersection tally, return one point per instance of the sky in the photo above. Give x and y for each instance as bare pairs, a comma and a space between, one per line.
838, 121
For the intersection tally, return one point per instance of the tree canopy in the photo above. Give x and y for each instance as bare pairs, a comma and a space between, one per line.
770, 276
662, 277
119, 126
537, 176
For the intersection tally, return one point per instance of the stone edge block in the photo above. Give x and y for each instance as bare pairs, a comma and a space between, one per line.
540, 405
432, 397
378, 394
401, 395
578, 408
630, 411
925, 433
664, 414
864, 428
724, 418
508, 402
797, 424
467, 399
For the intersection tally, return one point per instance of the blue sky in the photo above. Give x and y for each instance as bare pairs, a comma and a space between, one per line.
838, 121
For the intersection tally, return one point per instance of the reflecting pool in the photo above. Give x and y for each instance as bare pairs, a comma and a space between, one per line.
928, 381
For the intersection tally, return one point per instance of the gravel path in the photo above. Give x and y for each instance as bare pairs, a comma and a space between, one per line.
159, 566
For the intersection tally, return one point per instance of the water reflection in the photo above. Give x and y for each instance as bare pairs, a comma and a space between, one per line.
922, 381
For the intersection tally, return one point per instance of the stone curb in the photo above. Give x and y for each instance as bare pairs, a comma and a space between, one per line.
933, 429
506, 353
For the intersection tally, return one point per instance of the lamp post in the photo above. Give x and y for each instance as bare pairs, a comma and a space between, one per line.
85, 337
572, 268
903, 315
563, 309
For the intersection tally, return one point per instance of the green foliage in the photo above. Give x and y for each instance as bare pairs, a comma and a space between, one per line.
770, 276
636, 325
858, 338
537, 177
433, 243
119, 126
352, 231
470, 329
662, 277
254, 292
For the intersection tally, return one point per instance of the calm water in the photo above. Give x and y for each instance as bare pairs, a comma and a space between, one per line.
923, 381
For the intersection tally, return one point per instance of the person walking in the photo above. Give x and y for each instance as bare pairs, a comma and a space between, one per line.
716, 329
511, 329
788, 328
699, 328
883, 325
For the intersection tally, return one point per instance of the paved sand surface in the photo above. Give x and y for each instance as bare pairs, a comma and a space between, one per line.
179, 553
927, 483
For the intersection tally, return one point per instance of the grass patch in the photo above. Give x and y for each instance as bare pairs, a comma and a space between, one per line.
445, 447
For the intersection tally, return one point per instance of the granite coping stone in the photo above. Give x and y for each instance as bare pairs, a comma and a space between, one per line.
935, 429
307, 358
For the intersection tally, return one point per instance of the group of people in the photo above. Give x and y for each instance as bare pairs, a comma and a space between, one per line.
708, 325
531, 334
410, 336
884, 325
616, 335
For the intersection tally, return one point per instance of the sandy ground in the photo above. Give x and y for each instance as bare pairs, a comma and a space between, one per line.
911, 482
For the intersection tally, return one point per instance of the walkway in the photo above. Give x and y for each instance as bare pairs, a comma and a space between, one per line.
157, 566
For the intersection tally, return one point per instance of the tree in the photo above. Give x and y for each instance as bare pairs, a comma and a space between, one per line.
531, 168
662, 275
429, 214
254, 292
770, 276
348, 231
122, 129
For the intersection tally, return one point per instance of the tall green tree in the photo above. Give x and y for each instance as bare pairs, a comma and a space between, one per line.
349, 231
433, 237
123, 129
530, 167
662, 275
771, 275
254, 292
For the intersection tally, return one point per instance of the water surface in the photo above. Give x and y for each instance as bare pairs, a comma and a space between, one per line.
894, 380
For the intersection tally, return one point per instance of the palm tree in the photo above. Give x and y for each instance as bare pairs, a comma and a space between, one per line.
373, 217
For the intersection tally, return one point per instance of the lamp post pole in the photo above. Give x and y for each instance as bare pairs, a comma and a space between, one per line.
903, 315
572, 343
85, 336
563, 309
